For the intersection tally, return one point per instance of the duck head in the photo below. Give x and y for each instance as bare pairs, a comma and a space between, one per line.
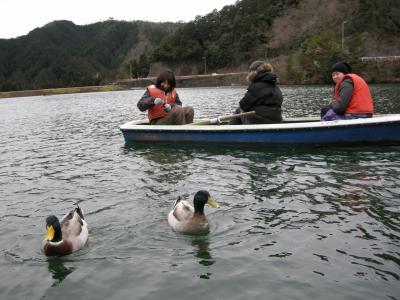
202, 198
53, 229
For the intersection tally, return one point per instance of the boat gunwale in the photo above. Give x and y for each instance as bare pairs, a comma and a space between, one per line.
288, 124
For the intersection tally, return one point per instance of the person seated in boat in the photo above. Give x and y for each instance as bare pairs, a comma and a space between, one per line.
263, 96
163, 104
352, 97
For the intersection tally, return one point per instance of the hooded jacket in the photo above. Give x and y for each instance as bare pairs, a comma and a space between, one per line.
264, 97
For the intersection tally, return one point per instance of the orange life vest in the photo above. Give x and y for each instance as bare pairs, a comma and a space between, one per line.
157, 111
361, 100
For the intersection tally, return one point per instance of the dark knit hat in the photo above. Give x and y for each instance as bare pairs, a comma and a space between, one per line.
255, 64
343, 67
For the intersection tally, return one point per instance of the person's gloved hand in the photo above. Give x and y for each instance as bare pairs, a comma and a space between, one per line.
158, 101
325, 109
167, 107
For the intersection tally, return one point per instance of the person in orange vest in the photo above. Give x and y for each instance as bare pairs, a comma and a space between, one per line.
352, 97
163, 104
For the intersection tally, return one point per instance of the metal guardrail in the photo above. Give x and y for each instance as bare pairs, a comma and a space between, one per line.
380, 58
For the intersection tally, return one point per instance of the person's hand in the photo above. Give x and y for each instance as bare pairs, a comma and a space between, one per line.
158, 101
324, 110
167, 107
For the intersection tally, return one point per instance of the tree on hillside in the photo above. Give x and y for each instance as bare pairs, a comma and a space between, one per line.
227, 37
317, 55
381, 16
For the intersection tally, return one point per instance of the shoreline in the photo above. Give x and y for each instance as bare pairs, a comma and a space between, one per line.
206, 80
187, 81
184, 81
61, 91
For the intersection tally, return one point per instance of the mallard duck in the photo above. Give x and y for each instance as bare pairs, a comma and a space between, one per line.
184, 218
66, 237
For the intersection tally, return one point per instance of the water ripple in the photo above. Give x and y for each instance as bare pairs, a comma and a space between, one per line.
292, 223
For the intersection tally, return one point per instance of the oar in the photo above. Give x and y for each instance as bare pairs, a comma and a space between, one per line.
220, 119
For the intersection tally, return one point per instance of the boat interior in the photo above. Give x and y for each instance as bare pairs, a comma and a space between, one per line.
285, 120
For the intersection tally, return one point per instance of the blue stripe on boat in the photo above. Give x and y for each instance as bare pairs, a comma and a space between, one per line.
379, 130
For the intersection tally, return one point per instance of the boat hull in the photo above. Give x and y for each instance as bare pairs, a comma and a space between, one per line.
378, 130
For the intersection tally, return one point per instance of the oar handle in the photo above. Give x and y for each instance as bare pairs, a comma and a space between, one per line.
235, 116
221, 119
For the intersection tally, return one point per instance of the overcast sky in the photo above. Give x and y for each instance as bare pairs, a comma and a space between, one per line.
18, 17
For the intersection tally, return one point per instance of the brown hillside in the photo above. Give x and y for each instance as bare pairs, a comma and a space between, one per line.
308, 18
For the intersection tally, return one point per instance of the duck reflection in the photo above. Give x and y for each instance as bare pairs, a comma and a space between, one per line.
202, 250
58, 270
357, 203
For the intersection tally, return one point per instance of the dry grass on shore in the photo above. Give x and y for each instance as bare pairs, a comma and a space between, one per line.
59, 91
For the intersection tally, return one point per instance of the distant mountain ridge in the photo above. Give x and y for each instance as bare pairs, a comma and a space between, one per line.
302, 38
62, 54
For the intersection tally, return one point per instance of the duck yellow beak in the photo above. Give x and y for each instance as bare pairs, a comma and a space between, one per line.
212, 203
49, 233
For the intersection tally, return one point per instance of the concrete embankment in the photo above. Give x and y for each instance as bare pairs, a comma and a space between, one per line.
59, 91
227, 79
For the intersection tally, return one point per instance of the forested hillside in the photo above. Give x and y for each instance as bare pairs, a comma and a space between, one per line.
302, 38
63, 54
225, 38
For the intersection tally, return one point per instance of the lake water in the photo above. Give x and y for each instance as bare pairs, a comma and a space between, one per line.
292, 223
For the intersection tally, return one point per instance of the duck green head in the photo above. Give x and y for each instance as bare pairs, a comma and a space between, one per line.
202, 198
53, 229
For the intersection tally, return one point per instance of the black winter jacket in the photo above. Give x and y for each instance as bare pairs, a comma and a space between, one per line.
264, 97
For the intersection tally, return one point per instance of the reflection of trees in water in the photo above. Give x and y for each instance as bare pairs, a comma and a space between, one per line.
58, 270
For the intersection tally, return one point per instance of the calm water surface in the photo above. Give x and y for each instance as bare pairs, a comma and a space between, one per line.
292, 223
